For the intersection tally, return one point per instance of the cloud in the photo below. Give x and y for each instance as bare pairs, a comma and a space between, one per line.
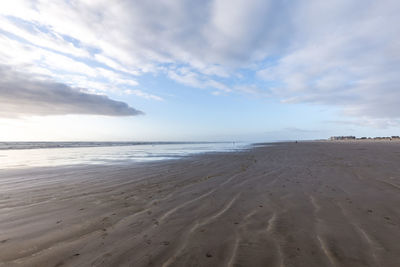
337, 53
211, 37
251, 89
23, 95
343, 60
194, 79
143, 94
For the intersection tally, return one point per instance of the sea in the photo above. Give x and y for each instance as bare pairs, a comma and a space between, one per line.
43, 154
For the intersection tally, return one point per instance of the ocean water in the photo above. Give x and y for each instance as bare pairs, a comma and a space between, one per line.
41, 154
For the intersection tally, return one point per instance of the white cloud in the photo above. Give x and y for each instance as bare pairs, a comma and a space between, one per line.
251, 89
37, 37
143, 94
193, 79
344, 56
342, 53
141, 35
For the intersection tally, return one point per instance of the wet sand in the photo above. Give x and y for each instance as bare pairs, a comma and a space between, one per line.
306, 204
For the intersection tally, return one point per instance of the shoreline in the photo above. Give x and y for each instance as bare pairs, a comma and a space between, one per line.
114, 155
26, 145
290, 204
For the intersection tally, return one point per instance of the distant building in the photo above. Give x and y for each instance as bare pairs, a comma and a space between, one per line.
382, 138
343, 138
393, 137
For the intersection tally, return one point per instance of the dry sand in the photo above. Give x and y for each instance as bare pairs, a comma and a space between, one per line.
306, 204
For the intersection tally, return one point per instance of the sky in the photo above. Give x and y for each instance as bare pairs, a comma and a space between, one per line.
210, 70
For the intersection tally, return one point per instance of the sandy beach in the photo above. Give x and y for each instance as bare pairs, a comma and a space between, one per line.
285, 204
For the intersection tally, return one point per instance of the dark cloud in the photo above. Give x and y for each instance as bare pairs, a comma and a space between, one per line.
22, 95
